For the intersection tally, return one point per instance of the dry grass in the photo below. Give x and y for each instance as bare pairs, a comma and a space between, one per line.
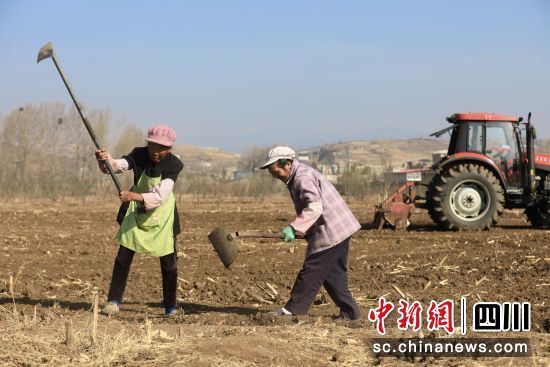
28, 342
31, 341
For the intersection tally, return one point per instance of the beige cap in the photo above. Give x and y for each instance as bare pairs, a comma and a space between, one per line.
278, 153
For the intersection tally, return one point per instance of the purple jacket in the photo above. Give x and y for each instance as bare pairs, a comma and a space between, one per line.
336, 222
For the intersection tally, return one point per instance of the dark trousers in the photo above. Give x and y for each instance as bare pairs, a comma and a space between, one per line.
328, 268
169, 269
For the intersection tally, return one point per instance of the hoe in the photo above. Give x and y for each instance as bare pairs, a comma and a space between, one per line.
47, 52
226, 243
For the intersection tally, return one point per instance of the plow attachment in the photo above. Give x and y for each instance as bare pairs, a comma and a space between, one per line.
396, 209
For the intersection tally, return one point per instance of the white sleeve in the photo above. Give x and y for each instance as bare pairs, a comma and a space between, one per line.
119, 165
158, 194
307, 217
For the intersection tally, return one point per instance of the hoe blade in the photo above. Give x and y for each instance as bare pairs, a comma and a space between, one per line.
225, 245
45, 52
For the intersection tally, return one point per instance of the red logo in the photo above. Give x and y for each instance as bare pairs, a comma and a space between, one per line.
411, 315
440, 316
380, 313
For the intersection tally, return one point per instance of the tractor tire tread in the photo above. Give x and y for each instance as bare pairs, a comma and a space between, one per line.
436, 197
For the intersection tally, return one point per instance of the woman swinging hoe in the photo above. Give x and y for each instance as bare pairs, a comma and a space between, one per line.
148, 217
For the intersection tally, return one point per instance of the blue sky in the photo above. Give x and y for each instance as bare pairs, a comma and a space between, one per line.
237, 74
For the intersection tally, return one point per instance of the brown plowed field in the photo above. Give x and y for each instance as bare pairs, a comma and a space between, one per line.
58, 255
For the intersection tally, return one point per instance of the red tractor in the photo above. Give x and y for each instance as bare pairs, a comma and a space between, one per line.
490, 165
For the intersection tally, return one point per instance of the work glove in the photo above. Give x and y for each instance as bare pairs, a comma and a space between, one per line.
289, 234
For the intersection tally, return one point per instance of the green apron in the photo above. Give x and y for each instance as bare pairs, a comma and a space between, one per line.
150, 232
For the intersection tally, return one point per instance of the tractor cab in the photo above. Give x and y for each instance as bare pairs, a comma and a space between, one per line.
493, 139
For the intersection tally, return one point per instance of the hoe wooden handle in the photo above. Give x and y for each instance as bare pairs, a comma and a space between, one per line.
258, 234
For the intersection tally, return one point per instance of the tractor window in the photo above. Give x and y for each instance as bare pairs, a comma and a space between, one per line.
501, 146
475, 137
496, 137
501, 139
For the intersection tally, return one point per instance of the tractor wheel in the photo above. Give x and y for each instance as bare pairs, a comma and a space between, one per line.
466, 197
430, 193
539, 215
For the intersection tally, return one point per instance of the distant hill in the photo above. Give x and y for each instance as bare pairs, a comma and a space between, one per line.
378, 152
195, 157
385, 152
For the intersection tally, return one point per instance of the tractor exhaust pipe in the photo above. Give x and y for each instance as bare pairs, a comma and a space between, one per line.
47, 52
531, 136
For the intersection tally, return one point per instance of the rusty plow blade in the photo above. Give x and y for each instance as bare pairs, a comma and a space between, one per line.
396, 209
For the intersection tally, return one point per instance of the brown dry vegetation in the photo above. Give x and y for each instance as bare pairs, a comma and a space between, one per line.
59, 255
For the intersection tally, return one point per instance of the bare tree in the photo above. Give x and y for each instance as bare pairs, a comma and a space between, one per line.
130, 137
47, 153
84, 163
52, 118
29, 139
251, 159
